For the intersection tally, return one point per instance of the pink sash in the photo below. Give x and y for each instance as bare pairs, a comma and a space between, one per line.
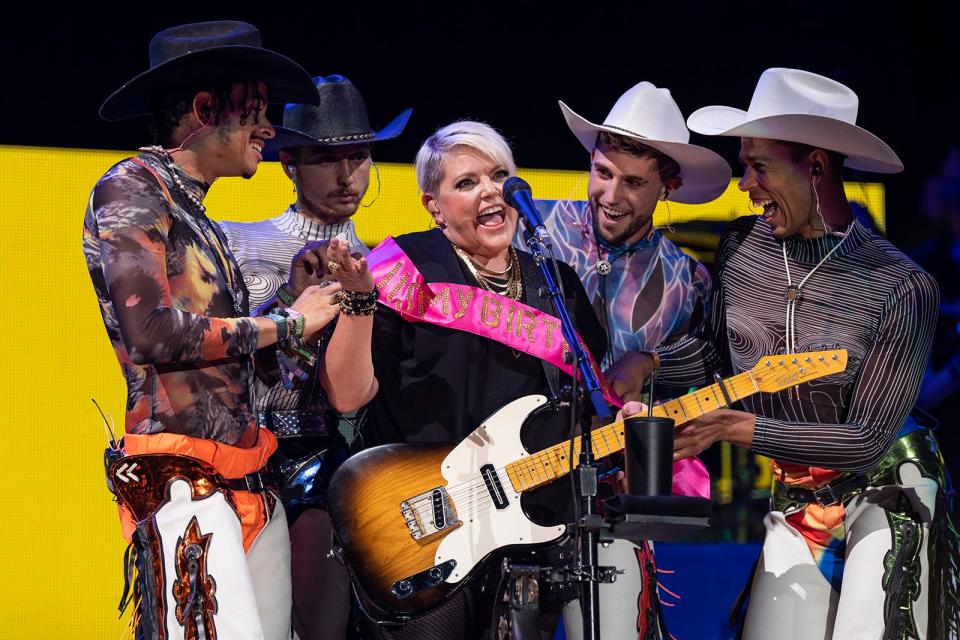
467, 308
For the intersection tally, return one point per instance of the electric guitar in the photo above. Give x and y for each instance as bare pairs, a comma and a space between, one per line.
413, 522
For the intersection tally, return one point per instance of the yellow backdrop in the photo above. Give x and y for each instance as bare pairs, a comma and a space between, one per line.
60, 545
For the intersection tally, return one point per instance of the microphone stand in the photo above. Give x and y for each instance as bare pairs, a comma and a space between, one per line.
586, 474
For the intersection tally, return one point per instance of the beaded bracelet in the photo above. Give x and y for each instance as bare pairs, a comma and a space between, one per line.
293, 358
284, 296
358, 303
296, 320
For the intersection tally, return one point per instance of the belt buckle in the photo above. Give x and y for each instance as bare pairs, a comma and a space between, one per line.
825, 496
254, 482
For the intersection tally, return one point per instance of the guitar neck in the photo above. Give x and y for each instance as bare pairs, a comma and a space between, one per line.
547, 465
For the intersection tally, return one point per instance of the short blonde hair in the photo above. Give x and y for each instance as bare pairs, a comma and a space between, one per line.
464, 133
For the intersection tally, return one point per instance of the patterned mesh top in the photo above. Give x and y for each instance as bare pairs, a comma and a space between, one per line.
170, 294
264, 251
654, 293
867, 297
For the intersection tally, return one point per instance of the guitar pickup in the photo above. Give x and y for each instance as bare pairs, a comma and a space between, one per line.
494, 487
429, 513
423, 580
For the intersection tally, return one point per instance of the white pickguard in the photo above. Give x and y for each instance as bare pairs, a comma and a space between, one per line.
495, 442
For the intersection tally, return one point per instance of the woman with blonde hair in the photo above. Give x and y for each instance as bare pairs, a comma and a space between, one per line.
433, 379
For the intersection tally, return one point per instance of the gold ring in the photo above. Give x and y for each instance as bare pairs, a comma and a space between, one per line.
334, 266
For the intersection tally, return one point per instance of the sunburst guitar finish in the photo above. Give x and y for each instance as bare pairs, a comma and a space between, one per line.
414, 522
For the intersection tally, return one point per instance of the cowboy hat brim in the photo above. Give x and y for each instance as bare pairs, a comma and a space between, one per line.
287, 138
286, 80
705, 174
863, 150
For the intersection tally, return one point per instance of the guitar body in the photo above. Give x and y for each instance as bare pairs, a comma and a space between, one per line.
430, 515
414, 522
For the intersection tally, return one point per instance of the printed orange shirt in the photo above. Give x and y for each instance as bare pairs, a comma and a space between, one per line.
167, 286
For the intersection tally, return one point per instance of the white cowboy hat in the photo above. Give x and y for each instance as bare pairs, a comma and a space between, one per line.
799, 106
650, 115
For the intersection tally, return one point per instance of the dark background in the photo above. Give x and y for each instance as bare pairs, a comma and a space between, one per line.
509, 63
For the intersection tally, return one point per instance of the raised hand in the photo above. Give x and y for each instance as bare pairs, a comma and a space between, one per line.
350, 272
309, 267
319, 305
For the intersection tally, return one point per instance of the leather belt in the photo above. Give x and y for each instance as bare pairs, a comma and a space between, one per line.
294, 422
830, 494
256, 482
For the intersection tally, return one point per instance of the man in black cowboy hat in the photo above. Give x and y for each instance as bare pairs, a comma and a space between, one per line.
325, 151
209, 539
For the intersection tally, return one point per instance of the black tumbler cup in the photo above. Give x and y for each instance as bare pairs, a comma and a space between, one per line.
649, 455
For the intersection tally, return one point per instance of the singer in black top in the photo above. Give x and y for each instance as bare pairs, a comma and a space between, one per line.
435, 384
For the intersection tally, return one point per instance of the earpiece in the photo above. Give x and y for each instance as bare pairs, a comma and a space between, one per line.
665, 193
291, 168
816, 169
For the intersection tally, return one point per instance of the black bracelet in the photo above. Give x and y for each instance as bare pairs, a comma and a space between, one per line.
358, 303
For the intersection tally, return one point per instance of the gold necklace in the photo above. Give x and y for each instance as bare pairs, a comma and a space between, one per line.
512, 288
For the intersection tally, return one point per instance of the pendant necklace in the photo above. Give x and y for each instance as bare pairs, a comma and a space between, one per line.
794, 294
604, 267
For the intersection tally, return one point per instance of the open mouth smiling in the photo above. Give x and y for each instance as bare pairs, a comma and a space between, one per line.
491, 216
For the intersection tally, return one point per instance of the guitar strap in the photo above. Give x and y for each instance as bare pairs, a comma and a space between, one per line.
531, 295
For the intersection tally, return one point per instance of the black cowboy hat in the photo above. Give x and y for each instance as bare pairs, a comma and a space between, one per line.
340, 117
201, 52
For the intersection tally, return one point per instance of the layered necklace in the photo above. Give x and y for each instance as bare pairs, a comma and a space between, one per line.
505, 283
223, 259
794, 292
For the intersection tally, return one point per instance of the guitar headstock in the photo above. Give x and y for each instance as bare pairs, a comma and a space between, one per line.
776, 373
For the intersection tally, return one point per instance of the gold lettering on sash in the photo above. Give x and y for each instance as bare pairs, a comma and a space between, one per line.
552, 325
464, 302
485, 315
399, 286
443, 299
415, 299
510, 311
389, 275
527, 321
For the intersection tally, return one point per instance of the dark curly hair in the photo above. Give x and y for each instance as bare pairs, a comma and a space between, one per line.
170, 109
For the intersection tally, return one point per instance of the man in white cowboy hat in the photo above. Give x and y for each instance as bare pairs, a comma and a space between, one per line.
858, 543
209, 540
325, 150
647, 292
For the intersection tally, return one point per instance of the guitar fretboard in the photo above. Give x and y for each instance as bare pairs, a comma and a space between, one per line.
549, 464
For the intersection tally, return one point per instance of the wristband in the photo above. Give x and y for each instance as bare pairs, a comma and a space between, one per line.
296, 321
284, 296
283, 327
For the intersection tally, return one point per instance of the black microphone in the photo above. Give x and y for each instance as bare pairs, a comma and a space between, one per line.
517, 193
